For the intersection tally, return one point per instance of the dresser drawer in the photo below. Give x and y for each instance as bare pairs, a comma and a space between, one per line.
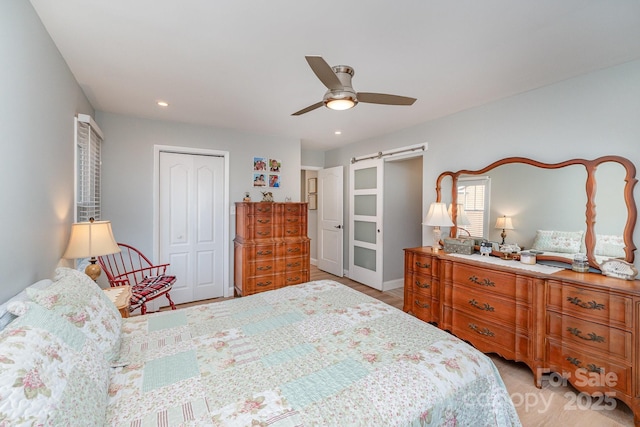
488, 307
590, 336
263, 208
294, 249
293, 230
591, 305
262, 231
494, 282
256, 284
295, 277
265, 266
293, 208
486, 336
270, 250
423, 307
295, 263
423, 285
588, 372
421, 264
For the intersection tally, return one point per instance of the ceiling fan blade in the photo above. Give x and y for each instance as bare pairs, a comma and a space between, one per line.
309, 108
324, 72
383, 98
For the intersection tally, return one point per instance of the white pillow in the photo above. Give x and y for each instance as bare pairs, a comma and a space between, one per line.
558, 241
609, 245
80, 300
50, 372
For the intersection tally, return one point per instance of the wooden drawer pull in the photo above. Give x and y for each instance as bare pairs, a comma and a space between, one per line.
264, 268
484, 282
422, 285
425, 265
589, 305
484, 331
590, 366
293, 264
485, 306
591, 336
422, 305
263, 283
290, 250
293, 279
264, 252
263, 221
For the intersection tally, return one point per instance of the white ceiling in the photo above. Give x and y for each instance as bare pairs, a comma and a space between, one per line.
240, 64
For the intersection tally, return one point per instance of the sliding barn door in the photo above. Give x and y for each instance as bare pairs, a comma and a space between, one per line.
365, 222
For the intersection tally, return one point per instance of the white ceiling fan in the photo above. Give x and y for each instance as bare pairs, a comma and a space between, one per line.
341, 95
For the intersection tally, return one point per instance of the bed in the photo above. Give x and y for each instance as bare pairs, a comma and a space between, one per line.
317, 353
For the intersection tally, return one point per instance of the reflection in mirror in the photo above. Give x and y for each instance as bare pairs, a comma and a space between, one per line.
552, 206
610, 205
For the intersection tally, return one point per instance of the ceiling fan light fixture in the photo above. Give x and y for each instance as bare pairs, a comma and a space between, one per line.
340, 99
340, 104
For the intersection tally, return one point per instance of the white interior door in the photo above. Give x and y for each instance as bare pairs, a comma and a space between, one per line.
330, 217
191, 191
365, 222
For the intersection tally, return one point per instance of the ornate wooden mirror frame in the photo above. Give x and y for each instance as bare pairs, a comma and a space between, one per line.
590, 187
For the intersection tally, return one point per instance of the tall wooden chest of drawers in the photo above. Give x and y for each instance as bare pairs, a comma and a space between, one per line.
271, 247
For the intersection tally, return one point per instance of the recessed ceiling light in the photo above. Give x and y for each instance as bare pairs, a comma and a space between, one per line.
163, 103
338, 132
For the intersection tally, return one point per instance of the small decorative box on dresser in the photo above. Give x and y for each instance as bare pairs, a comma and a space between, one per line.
583, 326
271, 246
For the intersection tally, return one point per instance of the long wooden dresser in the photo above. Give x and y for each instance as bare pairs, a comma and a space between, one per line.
271, 247
583, 326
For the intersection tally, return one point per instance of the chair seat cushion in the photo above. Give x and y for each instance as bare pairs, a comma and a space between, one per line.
149, 288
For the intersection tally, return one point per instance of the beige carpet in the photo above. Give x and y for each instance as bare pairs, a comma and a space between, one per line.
556, 404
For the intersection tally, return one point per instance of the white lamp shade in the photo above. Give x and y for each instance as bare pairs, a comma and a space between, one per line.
91, 239
504, 222
461, 215
438, 215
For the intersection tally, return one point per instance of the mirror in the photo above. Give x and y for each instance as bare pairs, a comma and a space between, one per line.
559, 208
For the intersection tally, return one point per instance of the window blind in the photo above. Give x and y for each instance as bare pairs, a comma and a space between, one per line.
89, 139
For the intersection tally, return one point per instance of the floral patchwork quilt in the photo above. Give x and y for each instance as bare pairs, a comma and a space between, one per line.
315, 354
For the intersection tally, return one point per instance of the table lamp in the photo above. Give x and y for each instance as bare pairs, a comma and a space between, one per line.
90, 240
462, 219
437, 217
504, 222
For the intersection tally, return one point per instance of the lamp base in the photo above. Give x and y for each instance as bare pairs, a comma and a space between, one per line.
93, 270
436, 239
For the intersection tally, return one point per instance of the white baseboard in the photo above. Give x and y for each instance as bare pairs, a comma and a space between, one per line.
313, 261
392, 284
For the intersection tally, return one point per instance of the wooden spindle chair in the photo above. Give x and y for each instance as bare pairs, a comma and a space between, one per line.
131, 267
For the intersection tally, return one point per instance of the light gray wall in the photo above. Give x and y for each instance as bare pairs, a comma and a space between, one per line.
127, 169
312, 158
588, 116
402, 213
39, 98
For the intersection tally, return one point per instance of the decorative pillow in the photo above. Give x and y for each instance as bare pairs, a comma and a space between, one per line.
50, 372
77, 298
609, 245
558, 241
6, 316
